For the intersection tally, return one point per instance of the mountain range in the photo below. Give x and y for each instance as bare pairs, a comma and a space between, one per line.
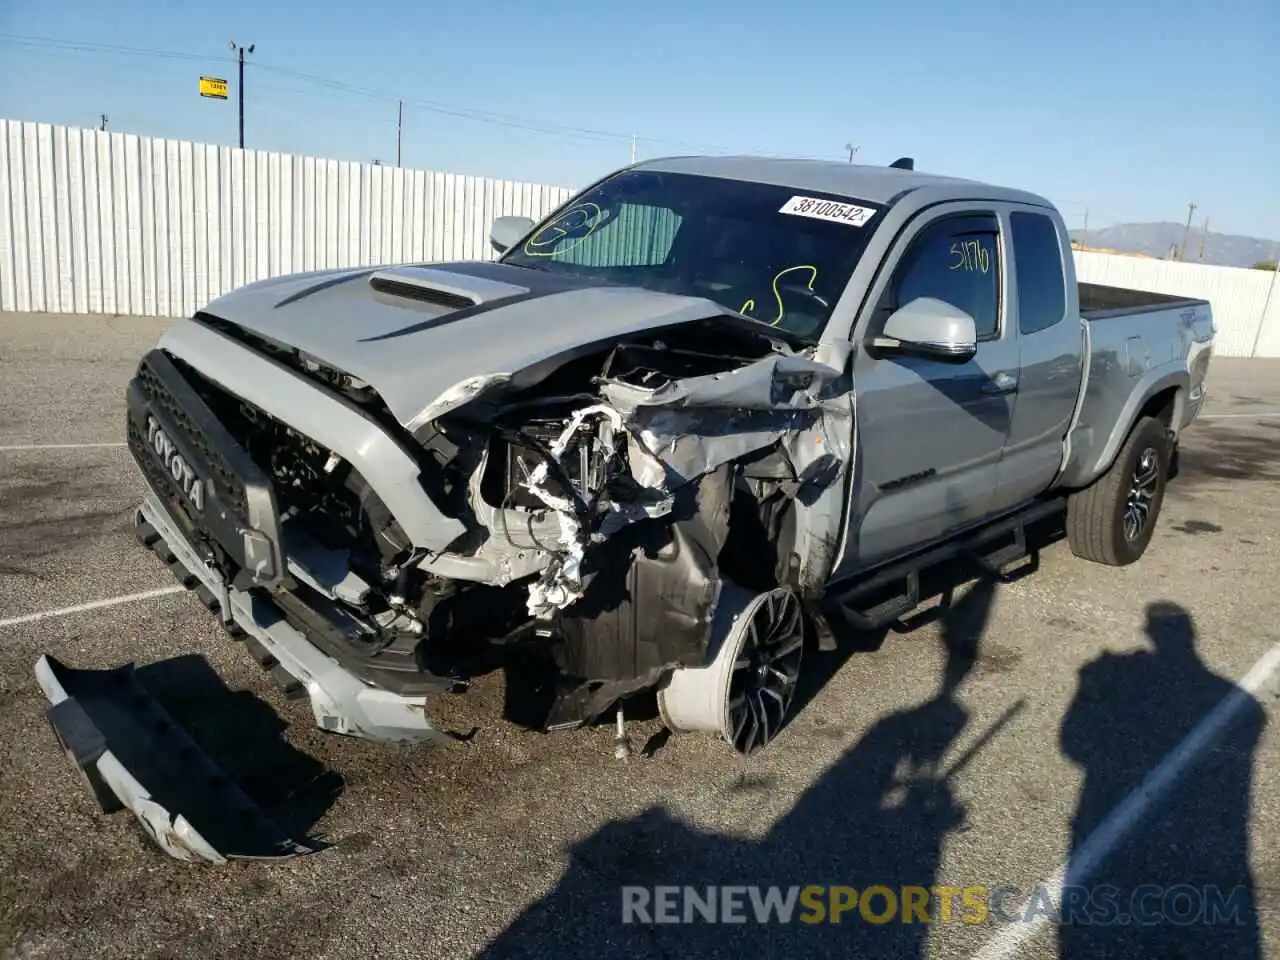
1157, 239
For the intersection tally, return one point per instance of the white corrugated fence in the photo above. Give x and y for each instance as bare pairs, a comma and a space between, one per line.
1238, 296
94, 222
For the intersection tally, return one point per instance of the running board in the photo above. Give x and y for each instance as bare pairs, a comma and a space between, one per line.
131, 754
974, 547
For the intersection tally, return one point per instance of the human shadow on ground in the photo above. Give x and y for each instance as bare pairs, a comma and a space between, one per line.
1182, 876
878, 816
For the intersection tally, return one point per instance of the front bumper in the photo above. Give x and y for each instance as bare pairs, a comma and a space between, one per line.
132, 755
341, 702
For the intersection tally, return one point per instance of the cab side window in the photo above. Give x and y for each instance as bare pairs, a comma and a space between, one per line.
957, 260
1042, 295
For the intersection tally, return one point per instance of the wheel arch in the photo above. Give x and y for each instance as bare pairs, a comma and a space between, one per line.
1159, 395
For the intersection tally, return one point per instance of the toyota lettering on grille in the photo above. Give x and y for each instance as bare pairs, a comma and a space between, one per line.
189, 483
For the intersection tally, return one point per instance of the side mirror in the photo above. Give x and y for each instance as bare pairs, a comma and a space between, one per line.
507, 231
931, 328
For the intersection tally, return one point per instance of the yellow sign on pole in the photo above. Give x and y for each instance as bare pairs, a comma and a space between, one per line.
213, 87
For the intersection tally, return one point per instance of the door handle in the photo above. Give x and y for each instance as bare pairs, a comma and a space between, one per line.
1001, 383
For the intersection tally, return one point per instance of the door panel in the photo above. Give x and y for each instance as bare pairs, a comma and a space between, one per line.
1051, 356
931, 432
930, 437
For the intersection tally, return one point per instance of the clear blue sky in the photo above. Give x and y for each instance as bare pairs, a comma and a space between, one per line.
1131, 109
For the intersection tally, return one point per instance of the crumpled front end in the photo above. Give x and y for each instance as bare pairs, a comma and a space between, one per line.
587, 508
621, 497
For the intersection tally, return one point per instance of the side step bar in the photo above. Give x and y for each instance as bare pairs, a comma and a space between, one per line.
133, 755
975, 547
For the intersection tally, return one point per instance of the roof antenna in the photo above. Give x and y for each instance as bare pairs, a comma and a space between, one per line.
904, 163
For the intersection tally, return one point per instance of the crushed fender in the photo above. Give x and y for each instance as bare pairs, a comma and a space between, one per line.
630, 599
133, 755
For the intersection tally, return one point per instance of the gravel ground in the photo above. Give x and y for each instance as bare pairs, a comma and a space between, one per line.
518, 843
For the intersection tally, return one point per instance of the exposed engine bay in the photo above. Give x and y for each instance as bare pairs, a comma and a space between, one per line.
606, 497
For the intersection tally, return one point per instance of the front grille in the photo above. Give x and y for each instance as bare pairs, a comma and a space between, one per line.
227, 484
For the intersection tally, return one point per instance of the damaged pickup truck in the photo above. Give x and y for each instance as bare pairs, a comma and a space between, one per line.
692, 415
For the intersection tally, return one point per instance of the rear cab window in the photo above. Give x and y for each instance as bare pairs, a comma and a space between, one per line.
1041, 283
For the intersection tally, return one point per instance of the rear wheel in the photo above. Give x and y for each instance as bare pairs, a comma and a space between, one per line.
1112, 520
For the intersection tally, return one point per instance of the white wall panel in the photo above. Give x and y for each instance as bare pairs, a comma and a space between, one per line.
1236, 295
113, 223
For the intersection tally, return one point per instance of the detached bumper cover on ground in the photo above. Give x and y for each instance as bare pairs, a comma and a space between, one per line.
133, 755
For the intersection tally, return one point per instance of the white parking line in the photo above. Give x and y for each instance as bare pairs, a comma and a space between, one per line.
12, 448
1240, 416
1112, 831
94, 605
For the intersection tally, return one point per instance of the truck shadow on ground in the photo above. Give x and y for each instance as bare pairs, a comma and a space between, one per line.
882, 814
1241, 451
940, 583
244, 736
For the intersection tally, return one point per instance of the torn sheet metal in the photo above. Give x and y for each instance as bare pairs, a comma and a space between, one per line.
460, 394
697, 424
691, 427
133, 755
561, 582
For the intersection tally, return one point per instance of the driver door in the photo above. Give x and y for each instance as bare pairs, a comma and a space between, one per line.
931, 432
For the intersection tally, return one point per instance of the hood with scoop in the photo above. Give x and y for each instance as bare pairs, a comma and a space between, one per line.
413, 333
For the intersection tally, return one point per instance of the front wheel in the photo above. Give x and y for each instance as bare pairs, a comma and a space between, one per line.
744, 692
1112, 520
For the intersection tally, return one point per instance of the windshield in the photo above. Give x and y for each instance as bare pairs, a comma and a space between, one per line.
778, 255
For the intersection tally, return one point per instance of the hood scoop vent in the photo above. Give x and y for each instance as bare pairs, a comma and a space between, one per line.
441, 287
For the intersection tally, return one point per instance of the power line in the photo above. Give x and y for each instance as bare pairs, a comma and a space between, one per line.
484, 116
88, 46
433, 106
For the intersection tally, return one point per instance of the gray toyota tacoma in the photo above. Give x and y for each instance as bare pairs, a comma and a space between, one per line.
697, 413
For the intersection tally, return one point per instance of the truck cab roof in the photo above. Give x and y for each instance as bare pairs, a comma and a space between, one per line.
883, 185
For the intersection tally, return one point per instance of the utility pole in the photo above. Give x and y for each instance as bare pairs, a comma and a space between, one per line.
102, 125
633, 148
852, 150
399, 127
1084, 234
1204, 236
1266, 304
242, 51
1186, 231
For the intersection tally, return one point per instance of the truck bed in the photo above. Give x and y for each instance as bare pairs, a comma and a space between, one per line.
1098, 302
1154, 345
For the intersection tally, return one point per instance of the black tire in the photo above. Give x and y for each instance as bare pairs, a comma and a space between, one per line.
1101, 519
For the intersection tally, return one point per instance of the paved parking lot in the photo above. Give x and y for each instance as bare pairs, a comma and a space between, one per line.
982, 749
